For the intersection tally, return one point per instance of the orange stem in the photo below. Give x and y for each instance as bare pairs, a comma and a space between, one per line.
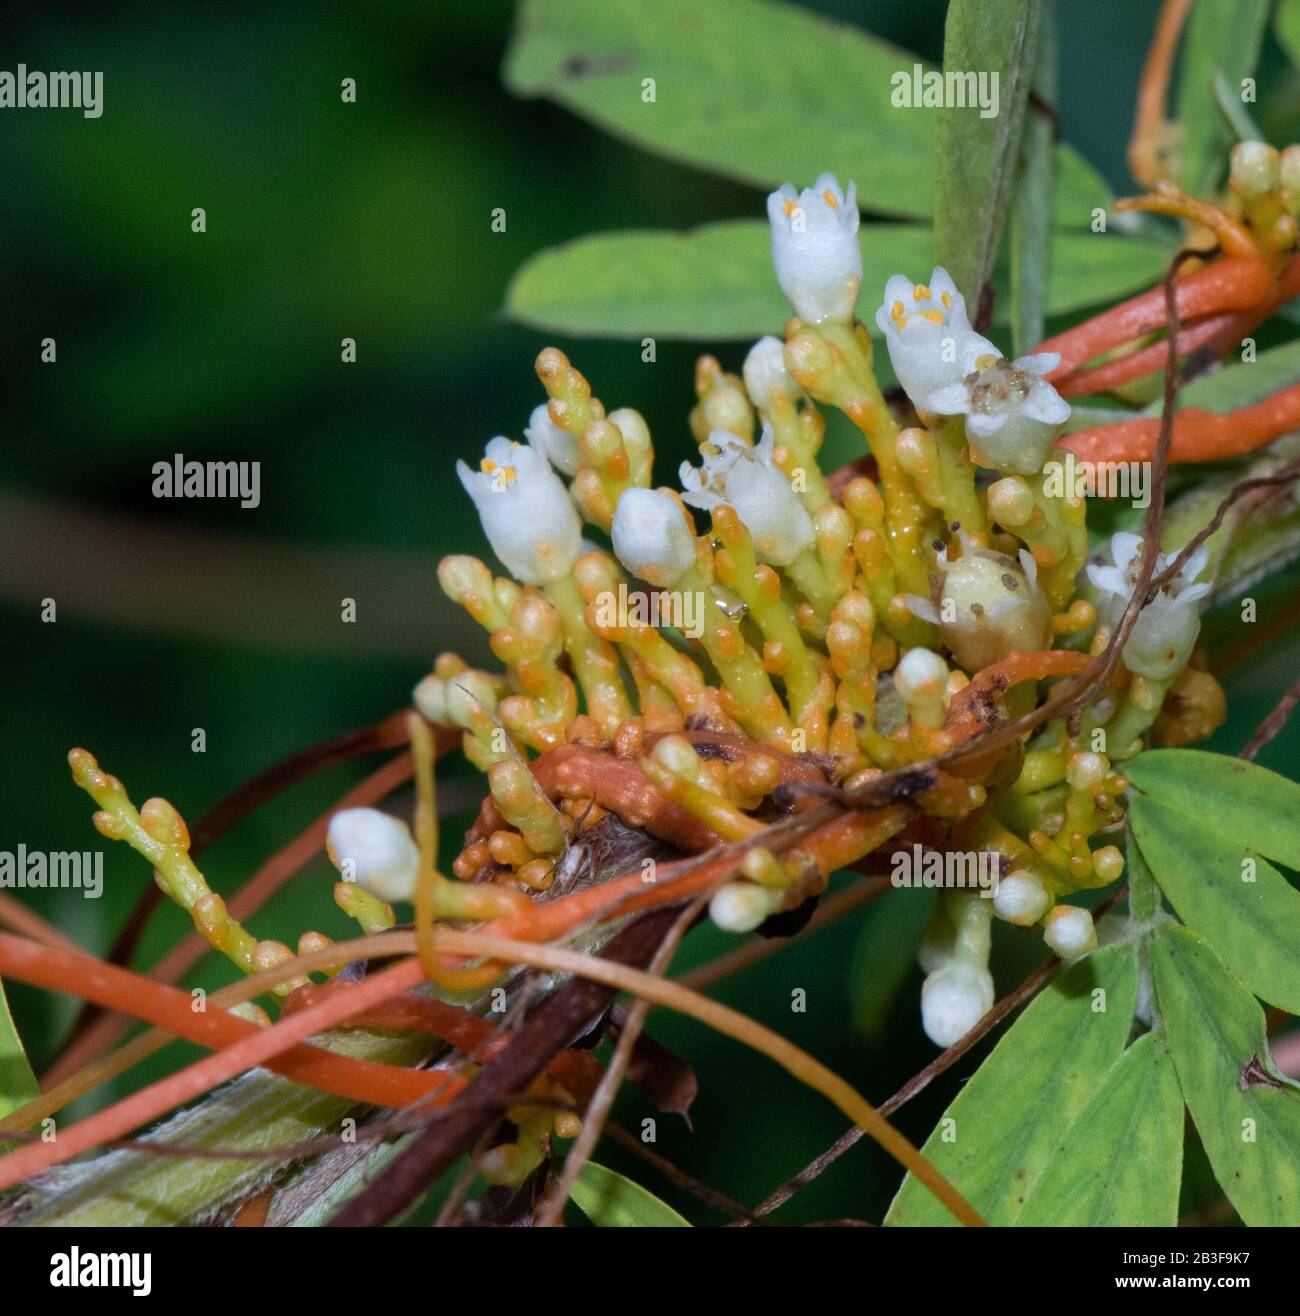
1223, 285
77, 973
1150, 127
1199, 436
260, 1047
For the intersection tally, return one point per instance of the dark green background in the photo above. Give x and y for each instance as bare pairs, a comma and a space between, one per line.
371, 220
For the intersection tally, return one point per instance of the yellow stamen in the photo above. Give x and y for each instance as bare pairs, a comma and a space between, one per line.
934, 317
790, 206
983, 362
896, 312
946, 298
921, 293
829, 197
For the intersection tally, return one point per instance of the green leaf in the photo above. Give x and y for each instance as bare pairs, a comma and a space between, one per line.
1256, 807
1121, 1161
18, 1084
1220, 39
1030, 236
716, 281
977, 154
759, 91
1143, 894
1253, 925
1248, 1118
1286, 24
1241, 384
994, 1141
766, 93
612, 1201
1234, 112
885, 955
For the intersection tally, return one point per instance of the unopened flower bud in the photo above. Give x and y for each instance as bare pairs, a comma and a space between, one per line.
1070, 931
376, 851
1020, 899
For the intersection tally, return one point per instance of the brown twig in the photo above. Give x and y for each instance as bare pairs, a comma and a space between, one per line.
551, 1212
557, 1020
1272, 724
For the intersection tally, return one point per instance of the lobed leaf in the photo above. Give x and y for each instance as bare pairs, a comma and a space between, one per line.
1248, 912
1248, 1117
993, 1142
1121, 1161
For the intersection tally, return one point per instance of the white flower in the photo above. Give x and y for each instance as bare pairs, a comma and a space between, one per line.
748, 480
558, 446
651, 537
1012, 413
766, 375
815, 248
954, 999
527, 515
990, 605
1070, 931
376, 851
1165, 632
921, 678
928, 334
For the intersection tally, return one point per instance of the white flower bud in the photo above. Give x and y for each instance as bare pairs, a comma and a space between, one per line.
815, 248
376, 851
928, 335
548, 440
1020, 899
747, 479
1253, 168
456, 700
742, 906
921, 678
990, 605
1070, 931
766, 375
1013, 414
651, 537
1165, 632
526, 511
954, 999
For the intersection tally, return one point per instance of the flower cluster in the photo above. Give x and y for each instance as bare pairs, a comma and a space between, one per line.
847, 627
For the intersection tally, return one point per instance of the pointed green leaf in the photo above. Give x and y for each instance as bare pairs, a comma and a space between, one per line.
1255, 807
977, 150
766, 93
1220, 39
613, 1201
716, 281
18, 1084
994, 1141
1031, 225
1240, 385
1286, 24
1248, 1118
760, 91
1235, 899
1121, 1161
